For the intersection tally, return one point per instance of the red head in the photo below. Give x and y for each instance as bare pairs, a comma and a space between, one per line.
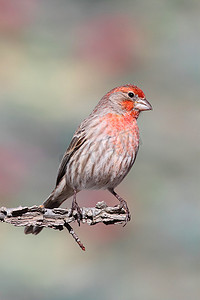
128, 88
126, 98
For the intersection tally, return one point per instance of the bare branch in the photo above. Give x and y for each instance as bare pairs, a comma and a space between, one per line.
59, 218
56, 218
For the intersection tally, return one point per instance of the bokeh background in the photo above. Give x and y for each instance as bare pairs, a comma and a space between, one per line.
57, 59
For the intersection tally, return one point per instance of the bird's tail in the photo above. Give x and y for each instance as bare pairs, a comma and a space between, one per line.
61, 193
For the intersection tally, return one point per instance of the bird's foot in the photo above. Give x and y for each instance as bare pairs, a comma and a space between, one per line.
76, 207
124, 205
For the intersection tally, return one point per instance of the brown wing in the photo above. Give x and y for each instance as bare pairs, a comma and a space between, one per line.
76, 143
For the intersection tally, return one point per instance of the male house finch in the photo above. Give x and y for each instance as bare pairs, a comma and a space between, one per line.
102, 150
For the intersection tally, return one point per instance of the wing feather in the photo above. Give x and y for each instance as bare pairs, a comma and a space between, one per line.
77, 141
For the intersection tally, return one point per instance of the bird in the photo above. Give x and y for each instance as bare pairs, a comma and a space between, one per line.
102, 150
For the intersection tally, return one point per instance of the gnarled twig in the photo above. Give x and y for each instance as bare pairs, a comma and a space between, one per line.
58, 218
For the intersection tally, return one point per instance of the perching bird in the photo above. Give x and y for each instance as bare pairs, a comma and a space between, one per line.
102, 150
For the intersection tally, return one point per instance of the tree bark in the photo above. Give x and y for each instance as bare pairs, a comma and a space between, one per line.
59, 218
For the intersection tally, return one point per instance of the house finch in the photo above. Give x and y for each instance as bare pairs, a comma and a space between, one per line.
102, 150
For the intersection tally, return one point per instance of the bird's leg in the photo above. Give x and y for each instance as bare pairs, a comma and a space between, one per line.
123, 204
76, 207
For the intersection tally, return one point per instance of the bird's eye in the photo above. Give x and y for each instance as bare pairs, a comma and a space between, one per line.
131, 95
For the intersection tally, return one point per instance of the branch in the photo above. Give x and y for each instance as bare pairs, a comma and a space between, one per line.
58, 218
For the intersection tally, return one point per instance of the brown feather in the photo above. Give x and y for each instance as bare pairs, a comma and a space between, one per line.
77, 141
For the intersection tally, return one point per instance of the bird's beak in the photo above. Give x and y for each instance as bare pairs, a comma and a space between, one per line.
142, 104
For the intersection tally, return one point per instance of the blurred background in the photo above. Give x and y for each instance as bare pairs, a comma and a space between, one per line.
57, 59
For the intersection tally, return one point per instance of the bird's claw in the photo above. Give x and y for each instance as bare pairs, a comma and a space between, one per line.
75, 207
123, 205
128, 218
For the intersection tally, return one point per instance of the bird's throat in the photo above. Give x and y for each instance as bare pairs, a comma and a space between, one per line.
121, 123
